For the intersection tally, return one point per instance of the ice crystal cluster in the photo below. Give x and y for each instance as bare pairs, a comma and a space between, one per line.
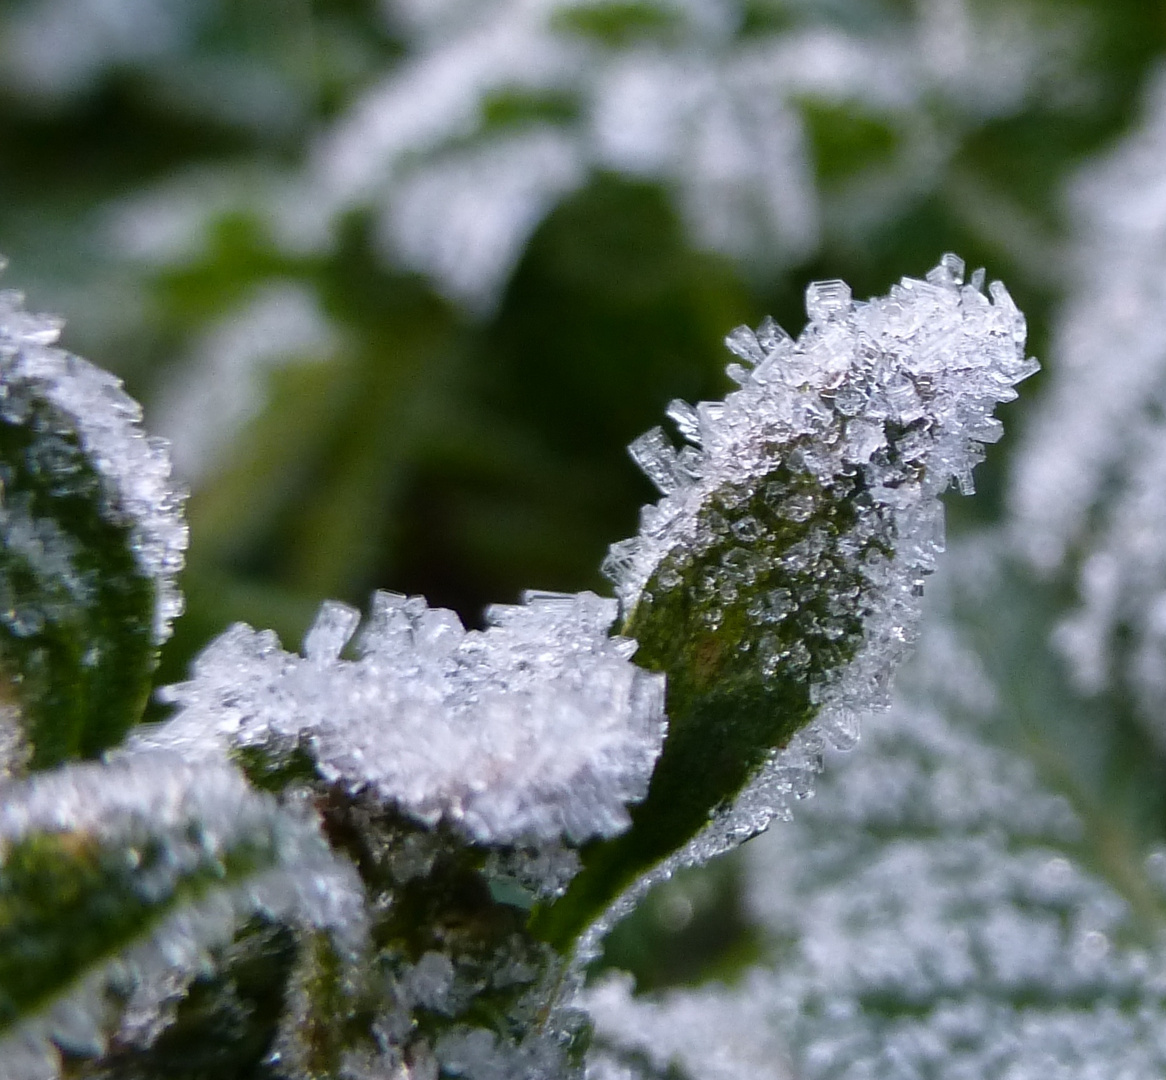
537, 728
141, 850
802, 513
929, 915
392, 853
75, 400
1089, 492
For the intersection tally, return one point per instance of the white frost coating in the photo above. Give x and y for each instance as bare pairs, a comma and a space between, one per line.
710, 1033
942, 928
1089, 488
135, 468
929, 918
899, 390
536, 728
56, 48
713, 112
465, 221
220, 387
197, 814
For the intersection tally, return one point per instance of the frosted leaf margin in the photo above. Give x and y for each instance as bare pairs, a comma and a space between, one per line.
135, 468
536, 728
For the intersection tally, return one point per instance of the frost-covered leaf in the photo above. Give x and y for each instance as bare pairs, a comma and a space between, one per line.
123, 884
944, 907
91, 538
536, 729
777, 581
1088, 495
458, 770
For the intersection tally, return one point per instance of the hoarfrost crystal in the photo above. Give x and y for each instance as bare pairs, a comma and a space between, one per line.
805, 511
91, 403
161, 823
537, 728
929, 915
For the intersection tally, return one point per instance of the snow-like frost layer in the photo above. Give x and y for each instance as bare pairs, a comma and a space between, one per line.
499, 108
537, 728
1089, 488
929, 919
221, 385
895, 396
135, 469
710, 110
196, 815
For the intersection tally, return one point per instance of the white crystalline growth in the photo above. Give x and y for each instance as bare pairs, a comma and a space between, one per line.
710, 1033
194, 816
897, 392
221, 385
535, 729
1088, 494
135, 468
929, 918
693, 99
943, 927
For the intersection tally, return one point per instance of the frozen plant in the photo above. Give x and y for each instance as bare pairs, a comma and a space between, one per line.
391, 854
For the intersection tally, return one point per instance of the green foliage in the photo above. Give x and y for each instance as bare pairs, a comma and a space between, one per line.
77, 648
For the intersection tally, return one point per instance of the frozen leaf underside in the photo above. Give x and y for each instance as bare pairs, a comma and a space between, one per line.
777, 582
90, 541
123, 884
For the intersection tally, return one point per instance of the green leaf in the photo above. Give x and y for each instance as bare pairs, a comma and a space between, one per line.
739, 670
76, 636
119, 885
90, 539
977, 890
776, 584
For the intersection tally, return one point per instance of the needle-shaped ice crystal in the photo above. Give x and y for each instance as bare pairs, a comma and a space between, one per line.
90, 404
808, 500
537, 728
119, 882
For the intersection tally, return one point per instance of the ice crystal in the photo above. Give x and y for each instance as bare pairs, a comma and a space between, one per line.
1087, 493
929, 917
852, 432
91, 405
165, 821
537, 728
710, 1033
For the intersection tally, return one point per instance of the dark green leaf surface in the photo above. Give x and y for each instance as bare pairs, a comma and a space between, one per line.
738, 688
76, 611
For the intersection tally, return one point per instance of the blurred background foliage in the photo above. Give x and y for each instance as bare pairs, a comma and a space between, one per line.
367, 423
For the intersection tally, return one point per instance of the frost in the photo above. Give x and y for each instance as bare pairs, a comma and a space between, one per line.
93, 405
877, 405
499, 108
60, 47
1089, 483
708, 1034
170, 820
929, 917
537, 728
711, 111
